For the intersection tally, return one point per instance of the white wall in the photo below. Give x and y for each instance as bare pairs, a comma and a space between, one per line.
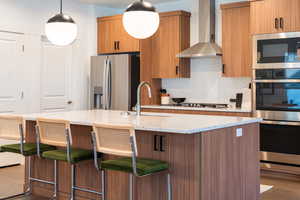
29, 17
206, 83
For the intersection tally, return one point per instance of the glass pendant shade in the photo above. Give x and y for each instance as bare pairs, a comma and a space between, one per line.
141, 20
61, 30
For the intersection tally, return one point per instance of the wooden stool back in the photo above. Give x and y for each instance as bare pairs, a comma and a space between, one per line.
11, 127
54, 132
115, 139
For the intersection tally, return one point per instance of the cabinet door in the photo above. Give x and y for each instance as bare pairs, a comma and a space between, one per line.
236, 42
284, 12
112, 37
106, 35
165, 47
295, 16
263, 17
126, 43
172, 37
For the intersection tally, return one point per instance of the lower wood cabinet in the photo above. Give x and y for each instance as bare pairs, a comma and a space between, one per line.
236, 40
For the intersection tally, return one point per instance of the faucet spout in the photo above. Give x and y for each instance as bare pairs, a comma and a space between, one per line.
139, 91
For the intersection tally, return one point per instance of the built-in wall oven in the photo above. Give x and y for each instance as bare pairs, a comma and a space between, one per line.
276, 93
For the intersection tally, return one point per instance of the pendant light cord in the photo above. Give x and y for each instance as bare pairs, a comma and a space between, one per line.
61, 5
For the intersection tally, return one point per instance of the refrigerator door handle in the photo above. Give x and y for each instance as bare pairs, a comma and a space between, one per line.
109, 85
105, 85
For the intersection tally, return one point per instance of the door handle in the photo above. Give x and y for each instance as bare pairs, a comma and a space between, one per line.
281, 22
70, 102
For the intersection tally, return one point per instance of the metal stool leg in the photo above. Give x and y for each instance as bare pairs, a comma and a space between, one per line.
103, 184
72, 181
130, 186
169, 187
55, 180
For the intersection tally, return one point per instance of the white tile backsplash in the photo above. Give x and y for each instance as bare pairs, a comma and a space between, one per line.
206, 83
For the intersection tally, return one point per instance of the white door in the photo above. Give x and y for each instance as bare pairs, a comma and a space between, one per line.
55, 77
12, 85
11, 73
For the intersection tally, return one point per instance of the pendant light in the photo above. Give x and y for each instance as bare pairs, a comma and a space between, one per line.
141, 20
61, 29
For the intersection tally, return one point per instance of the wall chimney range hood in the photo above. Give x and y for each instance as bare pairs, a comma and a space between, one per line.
207, 46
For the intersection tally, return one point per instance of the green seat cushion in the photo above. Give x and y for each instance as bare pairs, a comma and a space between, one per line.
144, 166
29, 148
77, 155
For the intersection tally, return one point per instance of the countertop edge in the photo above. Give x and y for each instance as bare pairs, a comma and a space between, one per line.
187, 132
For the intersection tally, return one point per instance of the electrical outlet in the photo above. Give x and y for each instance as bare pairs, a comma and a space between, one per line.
239, 132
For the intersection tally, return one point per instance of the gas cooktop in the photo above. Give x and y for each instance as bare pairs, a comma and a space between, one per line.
201, 105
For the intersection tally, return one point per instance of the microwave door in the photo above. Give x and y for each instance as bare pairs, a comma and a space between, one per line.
276, 51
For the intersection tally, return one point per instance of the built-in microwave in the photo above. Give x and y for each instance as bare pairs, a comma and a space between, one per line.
279, 50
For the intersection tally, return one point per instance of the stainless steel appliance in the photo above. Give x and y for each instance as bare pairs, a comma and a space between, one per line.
276, 93
280, 50
114, 81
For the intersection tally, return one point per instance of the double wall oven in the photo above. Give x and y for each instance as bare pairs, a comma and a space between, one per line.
276, 87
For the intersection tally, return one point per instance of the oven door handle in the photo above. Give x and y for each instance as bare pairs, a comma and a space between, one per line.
281, 123
278, 81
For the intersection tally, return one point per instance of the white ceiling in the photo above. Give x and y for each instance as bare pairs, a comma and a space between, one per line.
120, 3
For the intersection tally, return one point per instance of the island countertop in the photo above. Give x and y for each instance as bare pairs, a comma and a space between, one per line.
160, 122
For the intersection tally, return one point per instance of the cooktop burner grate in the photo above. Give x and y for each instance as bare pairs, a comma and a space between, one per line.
204, 105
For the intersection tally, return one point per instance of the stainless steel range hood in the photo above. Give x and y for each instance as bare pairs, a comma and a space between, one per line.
207, 46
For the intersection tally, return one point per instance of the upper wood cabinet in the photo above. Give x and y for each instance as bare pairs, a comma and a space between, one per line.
275, 16
172, 37
112, 37
236, 40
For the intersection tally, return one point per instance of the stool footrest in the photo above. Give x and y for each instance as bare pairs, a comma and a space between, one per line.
42, 181
87, 190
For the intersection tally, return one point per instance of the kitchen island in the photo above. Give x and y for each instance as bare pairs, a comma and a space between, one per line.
210, 157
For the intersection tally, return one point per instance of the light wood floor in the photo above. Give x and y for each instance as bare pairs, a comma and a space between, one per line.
11, 182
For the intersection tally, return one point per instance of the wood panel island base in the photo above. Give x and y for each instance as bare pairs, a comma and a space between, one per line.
210, 157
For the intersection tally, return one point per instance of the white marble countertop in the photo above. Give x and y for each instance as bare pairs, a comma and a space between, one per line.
237, 110
161, 122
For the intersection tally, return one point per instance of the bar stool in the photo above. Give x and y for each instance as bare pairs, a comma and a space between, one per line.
12, 128
58, 133
120, 140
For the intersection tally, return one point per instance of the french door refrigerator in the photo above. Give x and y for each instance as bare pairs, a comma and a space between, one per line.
114, 81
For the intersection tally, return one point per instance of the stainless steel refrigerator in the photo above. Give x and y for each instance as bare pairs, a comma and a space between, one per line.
114, 81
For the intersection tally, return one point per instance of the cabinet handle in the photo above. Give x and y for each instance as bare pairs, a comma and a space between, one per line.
276, 23
223, 68
281, 22
118, 45
156, 144
115, 45
162, 143
177, 70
